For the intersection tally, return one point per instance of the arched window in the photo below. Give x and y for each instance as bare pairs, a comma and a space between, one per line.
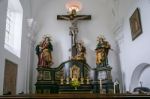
13, 31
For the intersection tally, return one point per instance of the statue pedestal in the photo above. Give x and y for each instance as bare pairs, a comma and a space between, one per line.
106, 85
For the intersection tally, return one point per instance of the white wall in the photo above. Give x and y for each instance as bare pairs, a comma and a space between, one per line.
133, 53
145, 78
3, 10
139, 75
4, 54
88, 31
26, 45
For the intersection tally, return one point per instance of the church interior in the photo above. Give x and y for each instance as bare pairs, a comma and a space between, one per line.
74, 48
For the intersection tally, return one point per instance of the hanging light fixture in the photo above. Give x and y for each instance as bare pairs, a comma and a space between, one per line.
73, 6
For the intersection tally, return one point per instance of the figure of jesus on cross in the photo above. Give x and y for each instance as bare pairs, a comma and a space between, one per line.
73, 29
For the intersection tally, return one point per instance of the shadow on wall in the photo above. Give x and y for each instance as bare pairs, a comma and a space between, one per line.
137, 74
123, 84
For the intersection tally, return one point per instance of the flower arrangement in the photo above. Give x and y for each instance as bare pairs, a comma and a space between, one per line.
75, 84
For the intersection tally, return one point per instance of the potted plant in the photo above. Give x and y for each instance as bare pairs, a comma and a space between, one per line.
75, 84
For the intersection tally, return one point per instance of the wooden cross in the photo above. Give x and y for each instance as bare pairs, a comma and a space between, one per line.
73, 18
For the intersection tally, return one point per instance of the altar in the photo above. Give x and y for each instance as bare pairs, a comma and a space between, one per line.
73, 75
60, 79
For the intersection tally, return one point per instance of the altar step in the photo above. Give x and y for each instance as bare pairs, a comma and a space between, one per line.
75, 91
70, 96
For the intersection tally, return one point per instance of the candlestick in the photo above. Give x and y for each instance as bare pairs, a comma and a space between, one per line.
82, 79
87, 81
61, 81
67, 80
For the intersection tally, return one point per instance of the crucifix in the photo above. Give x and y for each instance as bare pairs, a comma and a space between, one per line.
141, 83
73, 29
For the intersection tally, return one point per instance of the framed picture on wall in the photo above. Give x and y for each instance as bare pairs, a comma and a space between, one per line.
135, 24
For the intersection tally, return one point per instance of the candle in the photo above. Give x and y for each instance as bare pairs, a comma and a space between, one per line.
67, 69
100, 82
114, 88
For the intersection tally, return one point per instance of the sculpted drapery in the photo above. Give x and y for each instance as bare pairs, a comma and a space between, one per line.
43, 51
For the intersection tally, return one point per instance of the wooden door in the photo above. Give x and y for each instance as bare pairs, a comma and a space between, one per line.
10, 77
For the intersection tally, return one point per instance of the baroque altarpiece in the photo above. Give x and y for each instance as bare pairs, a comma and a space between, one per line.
73, 75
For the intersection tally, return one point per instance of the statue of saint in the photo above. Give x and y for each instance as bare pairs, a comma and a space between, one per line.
102, 50
74, 73
43, 51
81, 51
